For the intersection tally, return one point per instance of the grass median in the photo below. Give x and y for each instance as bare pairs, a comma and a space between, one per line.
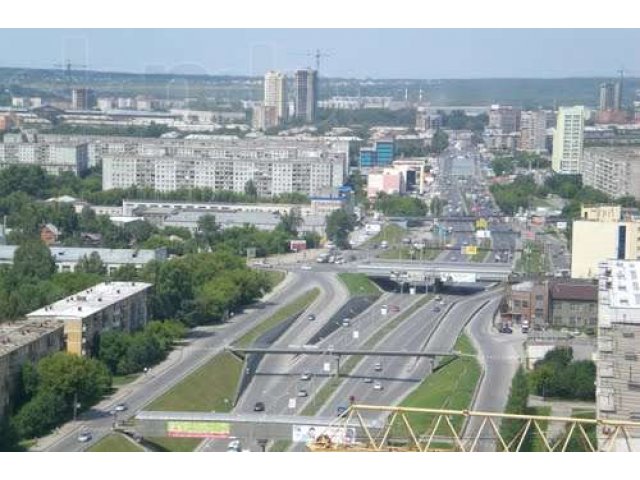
299, 305
115, 442
450, 387
359, 284
392, 234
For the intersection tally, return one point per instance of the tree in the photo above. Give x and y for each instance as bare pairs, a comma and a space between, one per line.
290, 222
33, 260
92, 264
208, 228
339, 224
250, 189
502, 166
516, 403
40, 414
439, 142
112, 347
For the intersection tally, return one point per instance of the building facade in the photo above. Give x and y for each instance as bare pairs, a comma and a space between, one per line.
82, 99
618, 357
504, 118
568, 140
601, 213
265, 117
612, 170
573, 304
533, 131
595, 242
306, 94
53, 158
103, 307
275, 94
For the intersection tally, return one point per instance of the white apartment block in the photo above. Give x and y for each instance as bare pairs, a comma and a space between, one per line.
613, 170
53, 158
568, 140
275, 165
618, 357
533, 131
275, 93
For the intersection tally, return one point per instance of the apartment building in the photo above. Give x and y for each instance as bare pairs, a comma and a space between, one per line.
601, 213
106, 306
533, 131
568, 140
612, 170
618, 358
264, 117
275, 94
306, 94
53, 158
504, 118
82, 99
275, 165
22, 342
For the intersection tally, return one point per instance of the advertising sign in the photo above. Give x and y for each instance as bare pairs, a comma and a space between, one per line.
459, 277
481, 224
470, 250
309, 433
198, 429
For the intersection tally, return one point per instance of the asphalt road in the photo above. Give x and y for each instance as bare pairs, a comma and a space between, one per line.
500, 356
202, 344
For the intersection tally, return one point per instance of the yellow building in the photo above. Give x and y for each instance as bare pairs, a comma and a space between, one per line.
601, 213
598, 241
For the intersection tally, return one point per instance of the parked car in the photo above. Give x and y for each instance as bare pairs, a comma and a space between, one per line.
506, 329
259, 407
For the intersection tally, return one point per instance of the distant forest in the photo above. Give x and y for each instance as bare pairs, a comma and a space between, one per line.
473, 92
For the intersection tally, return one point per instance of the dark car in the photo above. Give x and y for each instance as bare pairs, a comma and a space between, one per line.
311, 317
341, 411
506, 330
259, 407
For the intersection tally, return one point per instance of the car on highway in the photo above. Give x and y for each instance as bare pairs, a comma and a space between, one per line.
258, 407
311, 317
437, 309
85, 436
377, 367
234, 446
506, 329
305, 267
368, 380
378, 386
303, 393
305, 377
121, 407
346, 322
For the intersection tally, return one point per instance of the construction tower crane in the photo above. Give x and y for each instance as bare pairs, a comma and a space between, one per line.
316, 55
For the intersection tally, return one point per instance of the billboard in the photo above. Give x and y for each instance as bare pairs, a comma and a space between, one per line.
469, 250
297, 245
198, 429
309, 433
459, 277
481, 224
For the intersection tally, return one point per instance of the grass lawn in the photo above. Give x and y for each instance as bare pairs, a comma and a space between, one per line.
205, 390
115, 443
359, 284
450, 387
120, 380
537, 445
168, 444
577, 442
275, 277
392, 234
299, 305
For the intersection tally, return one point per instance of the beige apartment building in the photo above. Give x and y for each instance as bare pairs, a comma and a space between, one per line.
612, 170
601, 213
106, 306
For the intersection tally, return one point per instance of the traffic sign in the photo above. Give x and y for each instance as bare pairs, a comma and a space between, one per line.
326, 367
292, 403
356, 334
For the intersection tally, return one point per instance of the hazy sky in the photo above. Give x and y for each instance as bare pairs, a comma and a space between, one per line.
392, 53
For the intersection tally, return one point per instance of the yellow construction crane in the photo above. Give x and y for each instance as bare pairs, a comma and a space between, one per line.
437, 430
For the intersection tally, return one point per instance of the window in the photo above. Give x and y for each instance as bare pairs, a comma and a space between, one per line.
628, 335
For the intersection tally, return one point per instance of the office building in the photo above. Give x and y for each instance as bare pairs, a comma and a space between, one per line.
306, 94
389, 181
22, 342
568, 140
53, 158
82, 99
380, 155
276, 165
594, 242
106, 306
533, 131
275, 94
504, 118
612, 170
618, 366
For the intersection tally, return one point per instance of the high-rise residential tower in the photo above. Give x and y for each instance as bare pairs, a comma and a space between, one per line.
275, 93
306, 94
568, 140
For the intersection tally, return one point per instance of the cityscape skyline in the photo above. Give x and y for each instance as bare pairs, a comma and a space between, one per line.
349, 53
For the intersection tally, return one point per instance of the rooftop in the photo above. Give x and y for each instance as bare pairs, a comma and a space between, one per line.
107, 255
14, 335
87, 302
585, 292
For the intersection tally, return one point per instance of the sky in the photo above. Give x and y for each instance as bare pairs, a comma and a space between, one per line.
358, 53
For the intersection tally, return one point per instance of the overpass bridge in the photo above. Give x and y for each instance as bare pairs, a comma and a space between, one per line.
416, 272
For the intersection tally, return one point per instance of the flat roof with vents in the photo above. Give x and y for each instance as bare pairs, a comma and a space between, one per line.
90, 301
619, 292
16, 334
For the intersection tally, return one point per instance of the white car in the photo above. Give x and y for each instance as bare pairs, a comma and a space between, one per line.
305, 377
85, 437
302, 393
378, 367
368, 380
305, 267
377, 386
234, 446
121, 407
